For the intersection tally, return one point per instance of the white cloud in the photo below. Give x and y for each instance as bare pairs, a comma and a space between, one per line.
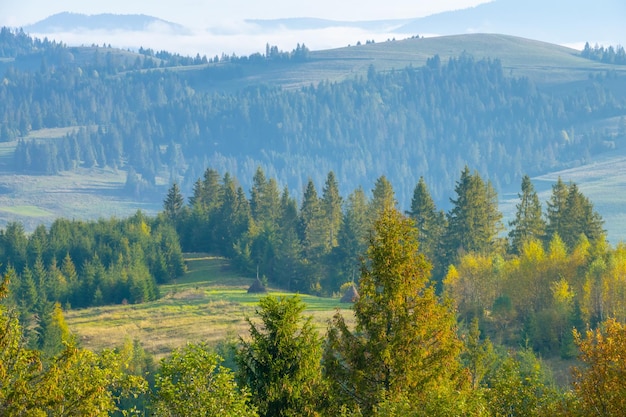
244, 39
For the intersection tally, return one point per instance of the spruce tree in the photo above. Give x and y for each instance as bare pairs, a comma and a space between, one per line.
331, 209
474, 220
280, 363
528, 223
404, 346
429, 221
173, 203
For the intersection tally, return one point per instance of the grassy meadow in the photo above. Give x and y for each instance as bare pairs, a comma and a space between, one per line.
210, 303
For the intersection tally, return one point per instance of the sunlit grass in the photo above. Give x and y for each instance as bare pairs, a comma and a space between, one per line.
210, 303
29, 211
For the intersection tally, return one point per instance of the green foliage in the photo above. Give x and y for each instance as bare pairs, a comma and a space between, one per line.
528, 223
103, 262
430, 223
280, 364
173, 203
405, 343
520, 386
191, 382
570, 214
474, 220
76, 382
414, 121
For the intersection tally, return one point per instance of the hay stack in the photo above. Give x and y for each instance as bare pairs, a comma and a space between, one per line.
257, 287
351, 295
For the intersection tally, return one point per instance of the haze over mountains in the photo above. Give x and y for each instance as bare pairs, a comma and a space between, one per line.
569, 23
258, 95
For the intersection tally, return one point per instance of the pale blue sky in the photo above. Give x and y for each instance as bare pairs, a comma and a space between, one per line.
201, 13
217, 26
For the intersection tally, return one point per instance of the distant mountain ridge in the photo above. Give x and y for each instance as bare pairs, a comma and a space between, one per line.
556, 21
70, 22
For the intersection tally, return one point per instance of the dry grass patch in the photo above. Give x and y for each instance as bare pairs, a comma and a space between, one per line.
210, 303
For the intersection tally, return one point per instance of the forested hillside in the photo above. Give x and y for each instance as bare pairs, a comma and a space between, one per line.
425, 121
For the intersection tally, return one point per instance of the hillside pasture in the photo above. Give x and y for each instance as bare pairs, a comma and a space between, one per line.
210, 303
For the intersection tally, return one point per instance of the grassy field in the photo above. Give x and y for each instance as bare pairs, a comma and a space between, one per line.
209, 304
543, 63
81, 194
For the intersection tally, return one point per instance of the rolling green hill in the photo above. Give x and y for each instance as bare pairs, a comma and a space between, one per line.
94, 118
544, 63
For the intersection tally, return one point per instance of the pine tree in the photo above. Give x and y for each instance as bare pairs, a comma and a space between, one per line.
352, 239
405, 344
429, 222
312, 236
580, 219
474, 220
555, 209
528, 223
289, 255
280, 364
570, 214
173, 203
383, 197
331, 208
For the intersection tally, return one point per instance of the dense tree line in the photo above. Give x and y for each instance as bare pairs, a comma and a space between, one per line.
508, 284
407, 123
82, 264
405, 355
610, 55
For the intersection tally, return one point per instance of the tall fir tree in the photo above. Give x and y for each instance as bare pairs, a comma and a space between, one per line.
430, 222
352, 239
280, 363
474, 221
528, 223
405, 345
173, 203
555, 209
331, 208
383, 197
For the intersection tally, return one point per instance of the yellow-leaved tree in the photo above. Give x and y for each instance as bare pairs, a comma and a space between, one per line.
600, 384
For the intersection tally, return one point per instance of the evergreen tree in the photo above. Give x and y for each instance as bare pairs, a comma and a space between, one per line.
555, 209
404, 345
313, 237
474, 220
528, 223
289, 255
352, 239
264, 198
383, 196
570, 214
280, 364
331, 209
173, 203
430, 223
580, 219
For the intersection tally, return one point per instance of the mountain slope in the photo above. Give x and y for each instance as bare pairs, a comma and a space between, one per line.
70, 22
543, 63
392, 108
558, 21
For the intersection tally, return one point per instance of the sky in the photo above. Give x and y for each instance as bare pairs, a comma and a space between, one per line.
203, 13
218, 26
